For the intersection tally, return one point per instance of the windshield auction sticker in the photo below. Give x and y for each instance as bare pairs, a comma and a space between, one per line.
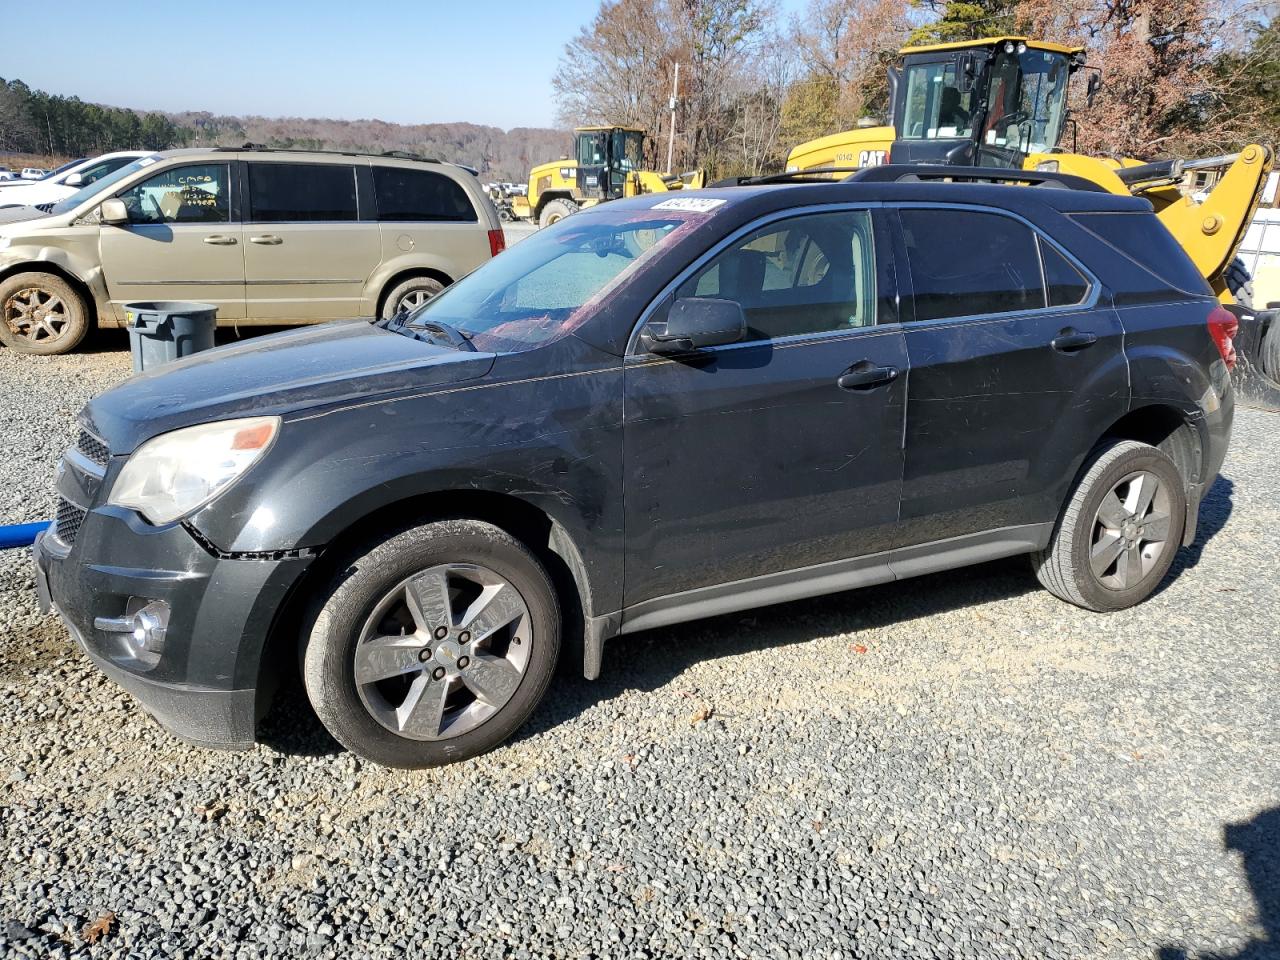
691, 204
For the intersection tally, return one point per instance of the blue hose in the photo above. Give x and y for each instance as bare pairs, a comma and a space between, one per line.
20, 534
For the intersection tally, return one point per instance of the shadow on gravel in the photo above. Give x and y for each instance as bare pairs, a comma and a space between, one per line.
1215, 511
1258, 843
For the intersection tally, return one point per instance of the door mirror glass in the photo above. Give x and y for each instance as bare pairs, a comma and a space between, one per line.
694, 323
1091, 91
114, 212
74, 180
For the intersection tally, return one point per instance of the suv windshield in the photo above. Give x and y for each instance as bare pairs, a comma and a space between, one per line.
545, 286
68, 204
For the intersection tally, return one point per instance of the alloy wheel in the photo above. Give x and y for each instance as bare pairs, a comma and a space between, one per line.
413, 300
443, 652
1130, 530
36, 315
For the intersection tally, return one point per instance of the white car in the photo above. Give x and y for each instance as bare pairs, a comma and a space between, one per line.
33, 173
6, 175
27, 193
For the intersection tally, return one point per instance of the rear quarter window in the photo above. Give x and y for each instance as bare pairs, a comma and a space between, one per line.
1162, 266
420, 196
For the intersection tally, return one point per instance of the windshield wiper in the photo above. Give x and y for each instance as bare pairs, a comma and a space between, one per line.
439, 331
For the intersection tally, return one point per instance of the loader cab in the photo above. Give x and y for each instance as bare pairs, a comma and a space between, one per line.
605, 156
986, 103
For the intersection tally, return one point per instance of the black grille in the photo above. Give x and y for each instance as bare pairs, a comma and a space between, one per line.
93, 448
66, 523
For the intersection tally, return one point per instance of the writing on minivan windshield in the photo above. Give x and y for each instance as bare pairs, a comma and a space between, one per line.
547, 285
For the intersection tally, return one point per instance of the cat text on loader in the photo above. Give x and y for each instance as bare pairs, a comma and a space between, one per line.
606, 165
1002, 102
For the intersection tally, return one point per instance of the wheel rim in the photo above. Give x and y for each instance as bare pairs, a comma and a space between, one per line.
443, 652
36, 315
1130, 531
414, 299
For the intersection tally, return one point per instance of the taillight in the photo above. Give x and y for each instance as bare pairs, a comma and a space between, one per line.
1223, 327
497, 242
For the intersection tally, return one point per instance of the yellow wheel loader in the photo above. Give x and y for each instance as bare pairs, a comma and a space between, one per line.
1002, 102
606, 165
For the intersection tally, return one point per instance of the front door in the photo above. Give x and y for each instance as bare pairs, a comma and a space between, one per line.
309, 251
781, 452
181, 242
1014, 376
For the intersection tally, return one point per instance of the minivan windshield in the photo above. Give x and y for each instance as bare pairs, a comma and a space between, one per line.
545, 286
68, 204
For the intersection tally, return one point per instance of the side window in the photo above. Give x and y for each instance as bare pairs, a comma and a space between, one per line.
1065, 285
420, 195
99, 170
301, 192
965, 263
810, 274
194, 194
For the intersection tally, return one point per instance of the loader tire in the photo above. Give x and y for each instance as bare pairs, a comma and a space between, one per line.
555, 211
1240, 283
1270, 359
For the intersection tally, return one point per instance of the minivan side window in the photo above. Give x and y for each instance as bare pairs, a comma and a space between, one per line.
192, 194
301, 192
807, 274
965, 263
420, 196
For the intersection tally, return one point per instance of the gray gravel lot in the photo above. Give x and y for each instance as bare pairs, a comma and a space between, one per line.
956, 766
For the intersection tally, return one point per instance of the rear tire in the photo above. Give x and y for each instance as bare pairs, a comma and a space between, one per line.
410, 294
1119, 530
1240, 282
404, 677
41, 314
555, 211
1271, 350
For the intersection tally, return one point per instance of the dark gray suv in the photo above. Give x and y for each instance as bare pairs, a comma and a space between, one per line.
657, 410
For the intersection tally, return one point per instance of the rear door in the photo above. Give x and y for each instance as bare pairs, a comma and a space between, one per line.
308, 252
182, 241
778, 453
1015, 374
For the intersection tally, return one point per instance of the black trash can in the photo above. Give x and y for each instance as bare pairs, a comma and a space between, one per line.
164, 330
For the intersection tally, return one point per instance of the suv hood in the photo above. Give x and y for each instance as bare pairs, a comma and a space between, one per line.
278, 374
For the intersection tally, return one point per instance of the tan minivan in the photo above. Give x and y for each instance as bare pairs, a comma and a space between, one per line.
268, 236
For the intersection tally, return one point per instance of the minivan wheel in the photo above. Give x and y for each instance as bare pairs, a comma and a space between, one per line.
410, 295
434, 645
1119, 531
40, 313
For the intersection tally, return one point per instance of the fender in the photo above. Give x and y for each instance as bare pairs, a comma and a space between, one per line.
21, 256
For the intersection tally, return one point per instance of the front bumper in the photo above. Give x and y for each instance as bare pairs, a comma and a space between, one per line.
204, 686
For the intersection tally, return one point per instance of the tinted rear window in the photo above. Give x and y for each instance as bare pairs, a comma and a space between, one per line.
420, 195
966, 264
299, 192
1145, 243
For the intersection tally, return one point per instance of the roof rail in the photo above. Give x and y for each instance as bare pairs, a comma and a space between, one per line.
820, 174
389, 154
923, 173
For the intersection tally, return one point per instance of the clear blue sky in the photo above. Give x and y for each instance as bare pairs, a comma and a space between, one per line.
395, 60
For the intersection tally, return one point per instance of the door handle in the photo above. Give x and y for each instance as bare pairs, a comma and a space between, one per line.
269, 239
863, 375
220, 240
1069, 341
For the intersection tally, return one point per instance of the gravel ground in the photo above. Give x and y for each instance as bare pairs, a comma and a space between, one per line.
956, 766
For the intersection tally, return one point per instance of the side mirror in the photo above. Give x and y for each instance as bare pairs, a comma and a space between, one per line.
695, 323
74, 180
114, 212
1091, 91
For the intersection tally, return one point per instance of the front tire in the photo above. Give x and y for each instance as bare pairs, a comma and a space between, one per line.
41, 314
555, 211
1119, 531
434, 645
1240, 283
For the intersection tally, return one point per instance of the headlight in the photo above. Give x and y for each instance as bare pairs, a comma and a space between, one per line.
4, 242
1048, 166
176, 473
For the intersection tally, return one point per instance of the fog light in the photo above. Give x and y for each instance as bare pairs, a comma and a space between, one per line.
149, 625
141, 630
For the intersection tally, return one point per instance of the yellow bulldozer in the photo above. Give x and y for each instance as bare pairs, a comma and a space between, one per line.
1002, 102
607, 165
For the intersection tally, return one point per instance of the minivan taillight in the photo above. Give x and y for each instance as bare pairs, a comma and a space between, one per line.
1223, 327
497, 242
